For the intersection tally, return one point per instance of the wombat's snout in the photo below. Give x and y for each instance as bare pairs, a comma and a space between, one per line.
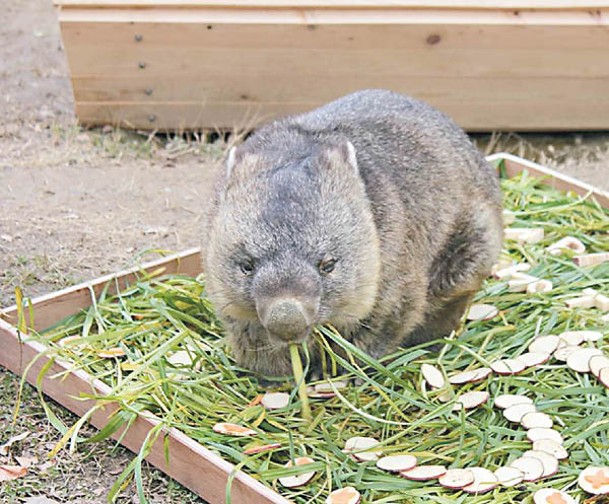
287, 319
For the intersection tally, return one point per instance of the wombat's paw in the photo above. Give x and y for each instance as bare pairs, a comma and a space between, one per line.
435, 347
315, 371
358, 382
272, 382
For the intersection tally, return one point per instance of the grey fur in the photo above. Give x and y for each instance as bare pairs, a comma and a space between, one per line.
414, 226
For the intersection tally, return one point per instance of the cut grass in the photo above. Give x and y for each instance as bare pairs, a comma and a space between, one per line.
156, 317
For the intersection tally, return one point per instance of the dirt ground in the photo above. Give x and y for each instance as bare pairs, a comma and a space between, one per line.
76, 204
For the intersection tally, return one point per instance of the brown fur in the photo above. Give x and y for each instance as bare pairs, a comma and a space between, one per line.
413, 220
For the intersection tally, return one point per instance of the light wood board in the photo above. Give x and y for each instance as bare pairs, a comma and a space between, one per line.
479, 116
198, 65
371, 4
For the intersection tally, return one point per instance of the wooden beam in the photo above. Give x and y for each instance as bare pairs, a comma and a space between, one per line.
348, 4
185, 14
289, 64
487, 115
311, 89
150, 38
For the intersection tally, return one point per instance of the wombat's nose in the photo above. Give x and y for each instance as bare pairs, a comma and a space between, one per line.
285, 318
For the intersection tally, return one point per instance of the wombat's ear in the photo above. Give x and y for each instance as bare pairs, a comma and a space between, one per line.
230, 162
343, 153
240, 162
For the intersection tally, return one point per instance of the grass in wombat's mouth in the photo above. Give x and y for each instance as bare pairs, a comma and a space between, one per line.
166, 355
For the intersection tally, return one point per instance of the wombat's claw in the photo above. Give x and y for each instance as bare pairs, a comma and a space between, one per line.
315, 375
265, 383
268, 382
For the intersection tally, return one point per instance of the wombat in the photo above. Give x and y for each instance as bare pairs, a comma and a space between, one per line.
374, 213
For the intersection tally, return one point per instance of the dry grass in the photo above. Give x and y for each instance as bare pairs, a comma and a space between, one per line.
553, 150
82, 477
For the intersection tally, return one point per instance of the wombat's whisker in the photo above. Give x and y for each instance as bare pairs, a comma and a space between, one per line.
222, 308
264, 348
364, 286
346, 316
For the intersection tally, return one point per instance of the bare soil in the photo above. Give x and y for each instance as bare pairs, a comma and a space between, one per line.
77, 204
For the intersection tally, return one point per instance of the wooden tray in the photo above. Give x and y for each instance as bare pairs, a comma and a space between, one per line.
189, 461
192, 64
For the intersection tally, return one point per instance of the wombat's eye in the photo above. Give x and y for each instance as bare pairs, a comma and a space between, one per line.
327, 265
247, 267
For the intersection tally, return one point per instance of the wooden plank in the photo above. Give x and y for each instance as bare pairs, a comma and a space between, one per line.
259, 89
170, 37
373, 4
55, 306
473, 116
314, 17
515, 165
283, 63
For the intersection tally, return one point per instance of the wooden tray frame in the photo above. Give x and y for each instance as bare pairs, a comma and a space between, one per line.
188, 460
